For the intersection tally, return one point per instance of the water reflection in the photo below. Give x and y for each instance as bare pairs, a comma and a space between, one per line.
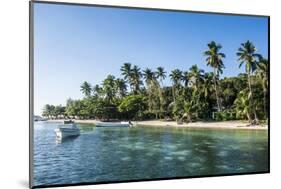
64, 140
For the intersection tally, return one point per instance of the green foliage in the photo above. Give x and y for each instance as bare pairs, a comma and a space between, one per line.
133, 106
109, 88
86, 88
225, 115
230, 88
214, 59
178, 108
52, 111
248, 57
193, 94
242, 105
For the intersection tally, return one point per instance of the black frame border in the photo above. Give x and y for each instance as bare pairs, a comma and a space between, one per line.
31, 90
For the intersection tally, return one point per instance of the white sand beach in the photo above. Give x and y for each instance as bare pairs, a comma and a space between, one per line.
203, 124
237, 124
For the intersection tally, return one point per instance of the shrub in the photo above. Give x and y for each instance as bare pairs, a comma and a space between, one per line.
225, 115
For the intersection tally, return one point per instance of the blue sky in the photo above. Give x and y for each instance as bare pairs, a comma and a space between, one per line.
73, 44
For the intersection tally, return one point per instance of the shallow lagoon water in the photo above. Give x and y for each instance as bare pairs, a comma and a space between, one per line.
116, 154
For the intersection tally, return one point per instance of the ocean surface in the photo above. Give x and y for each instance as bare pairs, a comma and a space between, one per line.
117, 154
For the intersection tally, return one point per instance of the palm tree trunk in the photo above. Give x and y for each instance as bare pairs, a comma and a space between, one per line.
161, 99
189, 118
161, 103
256, 120
135, 90
265, 101
173, 90
216, 91
249, 117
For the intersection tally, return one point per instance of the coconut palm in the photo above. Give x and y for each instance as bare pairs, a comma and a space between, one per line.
195, 76
47, 110
176, 76
148, 75
135, 80
262, 73
185, 78
207, 84
126, 71
242, 105
109, 88
188, 109
86, 88
97, 90
248, 56
121, 87
161, 75
214, 59
152, 90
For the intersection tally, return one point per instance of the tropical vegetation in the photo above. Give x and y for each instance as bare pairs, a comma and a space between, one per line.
193, 94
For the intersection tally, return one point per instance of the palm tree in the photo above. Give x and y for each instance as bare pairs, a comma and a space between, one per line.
188, 109
242, 105
161, 75
126, 71
47, 111
185, 78
121, 87
207, 89
86, 88
176, 76
196, 76
97, 90
196, 79
262, 73
135, 80
52, 111
248, 56
148, 76
214, 59
109, 87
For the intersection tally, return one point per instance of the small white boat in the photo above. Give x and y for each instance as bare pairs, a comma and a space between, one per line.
114, 124
67, 130
39, 118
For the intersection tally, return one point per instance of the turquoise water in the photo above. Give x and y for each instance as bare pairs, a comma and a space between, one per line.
116, 154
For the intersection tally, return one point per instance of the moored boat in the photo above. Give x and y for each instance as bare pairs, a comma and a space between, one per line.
67, 130
114, 124
39, 118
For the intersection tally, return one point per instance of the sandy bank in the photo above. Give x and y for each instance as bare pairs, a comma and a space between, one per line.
198, 124
89, 121
202, 124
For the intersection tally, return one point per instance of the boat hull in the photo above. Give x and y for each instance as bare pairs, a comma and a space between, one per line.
66, 132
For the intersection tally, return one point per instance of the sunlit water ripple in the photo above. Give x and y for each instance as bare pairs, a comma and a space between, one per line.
114, 154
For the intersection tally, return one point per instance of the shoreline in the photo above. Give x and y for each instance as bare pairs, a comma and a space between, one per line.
237, 124
204, 124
